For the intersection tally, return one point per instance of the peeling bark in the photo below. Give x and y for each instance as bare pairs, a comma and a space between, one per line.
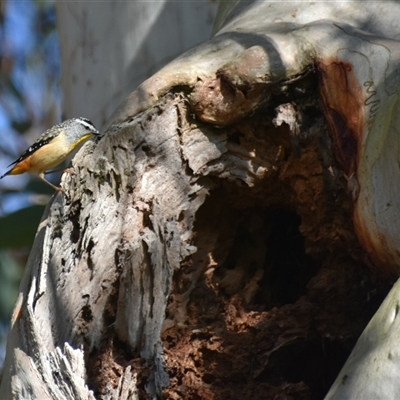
215, 243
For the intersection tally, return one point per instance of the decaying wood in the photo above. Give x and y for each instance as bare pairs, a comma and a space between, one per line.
164, 264
375, 358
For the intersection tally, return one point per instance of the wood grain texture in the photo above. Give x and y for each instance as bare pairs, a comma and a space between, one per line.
98, 281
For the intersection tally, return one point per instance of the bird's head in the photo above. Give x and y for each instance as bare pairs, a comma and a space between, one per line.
77, 130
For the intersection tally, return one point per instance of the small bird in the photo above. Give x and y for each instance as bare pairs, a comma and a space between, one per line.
52, 148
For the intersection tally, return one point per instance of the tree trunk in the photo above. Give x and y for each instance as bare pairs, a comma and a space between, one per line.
217, 242
108, 48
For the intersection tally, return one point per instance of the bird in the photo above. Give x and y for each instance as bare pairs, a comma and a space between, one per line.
52, 148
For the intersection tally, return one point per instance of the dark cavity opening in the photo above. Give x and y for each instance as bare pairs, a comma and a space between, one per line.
267, 261
287, 267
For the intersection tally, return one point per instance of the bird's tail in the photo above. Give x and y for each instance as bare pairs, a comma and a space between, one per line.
7, 173
14, 170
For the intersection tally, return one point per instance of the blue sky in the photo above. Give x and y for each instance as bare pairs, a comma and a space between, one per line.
29, 79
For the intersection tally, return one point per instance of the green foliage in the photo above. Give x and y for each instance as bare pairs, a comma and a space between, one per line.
18, 229
10, 275
29, 104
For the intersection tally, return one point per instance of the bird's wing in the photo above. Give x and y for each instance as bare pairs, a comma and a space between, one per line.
43, 139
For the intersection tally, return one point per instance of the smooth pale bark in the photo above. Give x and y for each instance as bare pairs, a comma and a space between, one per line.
106, 253
108, 48
371, 372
